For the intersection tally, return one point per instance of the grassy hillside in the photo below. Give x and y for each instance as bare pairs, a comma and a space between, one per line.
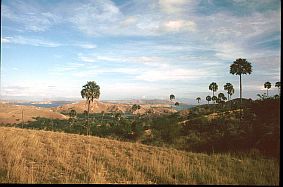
33, 156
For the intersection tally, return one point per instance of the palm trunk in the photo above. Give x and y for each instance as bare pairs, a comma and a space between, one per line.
267, 92
241, 88
240, 97
88, 117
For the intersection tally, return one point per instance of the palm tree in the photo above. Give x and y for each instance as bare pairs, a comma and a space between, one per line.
90, 91
230, 89
198, 99
221, 95
278, 84
240, 67
267, 85
214, 98
172, 97
72, 115
208, 98
135, 107
213, 87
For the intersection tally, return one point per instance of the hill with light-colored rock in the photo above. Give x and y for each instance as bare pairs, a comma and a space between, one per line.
10, 113
98, 107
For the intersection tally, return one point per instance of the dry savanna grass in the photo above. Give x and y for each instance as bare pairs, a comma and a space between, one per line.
31, 156
10, 113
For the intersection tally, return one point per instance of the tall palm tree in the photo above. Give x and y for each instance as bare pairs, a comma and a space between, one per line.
213, 87
240, 67
230, 89
278, 84
267, 85
198, 99
208, 98
90, 92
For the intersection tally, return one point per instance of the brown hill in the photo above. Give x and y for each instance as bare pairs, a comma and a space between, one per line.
10, 113
98, 107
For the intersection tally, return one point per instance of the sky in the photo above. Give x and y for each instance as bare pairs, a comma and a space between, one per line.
137, 49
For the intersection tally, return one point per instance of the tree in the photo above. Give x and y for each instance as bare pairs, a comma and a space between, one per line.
72, 115
240, 67
214, 98
221, 95
198, 99
221, 98
135, 107
278, 84
213, 87
208, 98
230, 90
172, 97
267, 85
90, 92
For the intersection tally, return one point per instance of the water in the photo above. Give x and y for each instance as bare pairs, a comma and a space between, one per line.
183, 107
49, 105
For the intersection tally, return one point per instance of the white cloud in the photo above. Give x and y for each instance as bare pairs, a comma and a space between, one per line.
86, 46
29, 41
30, 16
179, 25
94, 17
173, 6
170, 73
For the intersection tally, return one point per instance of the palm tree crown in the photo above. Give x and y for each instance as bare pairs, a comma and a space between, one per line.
208, 98
213, 87
241, 66
198, 99
90, 91
214, 98
172, 97
221, 95
267, 85
230, 89
278, 84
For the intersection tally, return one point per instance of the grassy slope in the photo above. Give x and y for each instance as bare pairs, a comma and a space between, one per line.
30, 156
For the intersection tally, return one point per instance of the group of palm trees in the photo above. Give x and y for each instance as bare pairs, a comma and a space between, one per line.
239, 67
220, 98
267, 85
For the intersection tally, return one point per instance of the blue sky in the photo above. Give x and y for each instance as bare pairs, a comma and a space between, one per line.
137, 49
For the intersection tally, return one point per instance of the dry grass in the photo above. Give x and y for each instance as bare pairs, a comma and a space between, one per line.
30, 156
10, 113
